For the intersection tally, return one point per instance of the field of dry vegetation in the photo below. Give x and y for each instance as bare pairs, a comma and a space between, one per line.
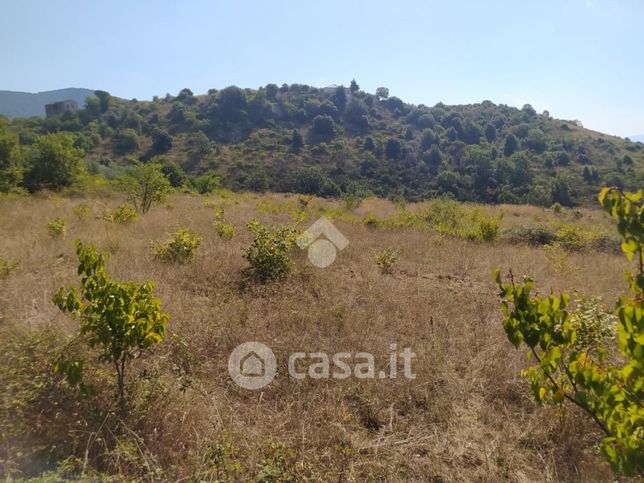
467, 416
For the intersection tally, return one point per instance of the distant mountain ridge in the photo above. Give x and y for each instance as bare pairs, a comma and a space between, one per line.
26, 104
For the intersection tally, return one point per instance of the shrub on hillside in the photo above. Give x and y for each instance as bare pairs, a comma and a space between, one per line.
82, 211
6, 267
268, 255
224, 229
56, 228
386, 260
179, 248
449, 217
534, 235
122, 214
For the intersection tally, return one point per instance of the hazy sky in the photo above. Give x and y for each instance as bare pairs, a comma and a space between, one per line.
579, 59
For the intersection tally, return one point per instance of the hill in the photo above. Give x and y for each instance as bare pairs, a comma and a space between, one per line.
338, 141
27, 104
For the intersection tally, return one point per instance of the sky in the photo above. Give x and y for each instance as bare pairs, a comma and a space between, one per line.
578, 59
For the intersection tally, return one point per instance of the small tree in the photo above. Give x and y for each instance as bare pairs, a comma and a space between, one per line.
296, 140
161, 141
144, 185
339, 98
382, 93
126, 141
511, 145
121, 319
324, 126
569, 368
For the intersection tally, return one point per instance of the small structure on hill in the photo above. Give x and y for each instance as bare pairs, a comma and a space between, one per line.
56, 108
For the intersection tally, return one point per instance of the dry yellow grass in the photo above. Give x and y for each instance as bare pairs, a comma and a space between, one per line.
468, 416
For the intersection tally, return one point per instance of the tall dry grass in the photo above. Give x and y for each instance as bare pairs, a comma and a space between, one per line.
467, 416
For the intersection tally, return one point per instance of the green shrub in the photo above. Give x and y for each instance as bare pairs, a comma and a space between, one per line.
268, 255
593, 325
304, 200
82, 211
224, 229
386, 260
220, 462
534, 235
351, 201
371, 221
444, 215
6, 267
207, 183
56, 228
122, 214
278, 465
481, 227
576, 238
179, 248
121, 319
449, 217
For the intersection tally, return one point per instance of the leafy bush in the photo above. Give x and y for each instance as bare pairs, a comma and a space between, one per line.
482, 227
122, 214
534, 235
224, 229
268, 255
386, 260
278, 465
179, 248
121, 318
6, 267
447, 216
558, 258
56, 162
56, 228
444, 215
575, 238
594, 327
82, 211
207, 183
371, 220
572, 364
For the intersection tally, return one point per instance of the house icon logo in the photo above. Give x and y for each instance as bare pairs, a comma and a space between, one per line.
322, 251
252, 365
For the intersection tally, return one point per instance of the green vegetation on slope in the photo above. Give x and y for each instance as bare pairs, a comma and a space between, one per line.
334, 141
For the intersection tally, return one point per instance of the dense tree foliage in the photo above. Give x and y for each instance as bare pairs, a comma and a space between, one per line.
55, 162
359, 142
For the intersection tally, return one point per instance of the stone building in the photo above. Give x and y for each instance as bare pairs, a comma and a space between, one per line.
59, 107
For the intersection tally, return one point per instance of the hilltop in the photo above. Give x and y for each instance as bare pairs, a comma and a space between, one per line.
338, 141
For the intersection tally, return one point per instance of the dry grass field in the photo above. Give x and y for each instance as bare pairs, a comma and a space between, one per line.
467, 416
